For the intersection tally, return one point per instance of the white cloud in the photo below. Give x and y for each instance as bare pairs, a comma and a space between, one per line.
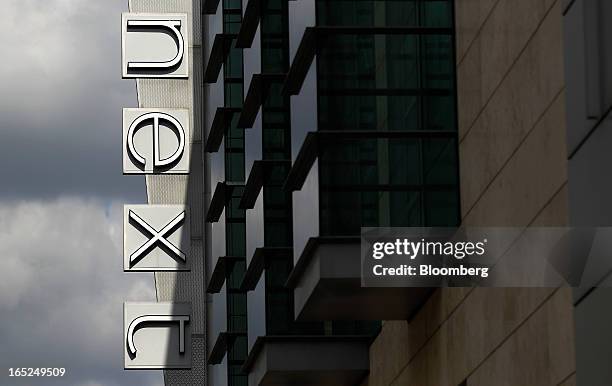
60, 56
62, 288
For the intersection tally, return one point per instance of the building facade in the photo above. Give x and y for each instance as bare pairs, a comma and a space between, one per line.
512, 157
315, 118
346, 117
587, 57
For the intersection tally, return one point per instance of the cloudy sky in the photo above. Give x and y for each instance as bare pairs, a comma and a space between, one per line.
61, 193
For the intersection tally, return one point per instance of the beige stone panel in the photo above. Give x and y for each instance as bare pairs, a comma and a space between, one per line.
571, 381
470, 99
507, 32
428, 367
438, 360
529, 90
416, 373
480, 324
494, 51
469, 17
539, 353
561, 334
436, 311
389, 352
556, 211
485, 319
399, 341
529, 180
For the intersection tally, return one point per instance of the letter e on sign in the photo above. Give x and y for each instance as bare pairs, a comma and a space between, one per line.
156, 141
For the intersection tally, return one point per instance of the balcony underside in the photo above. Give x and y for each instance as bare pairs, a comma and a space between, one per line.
308, 361
223, 343
222, 267
327, 286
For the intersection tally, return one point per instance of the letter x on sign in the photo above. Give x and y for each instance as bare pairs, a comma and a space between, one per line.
157, 237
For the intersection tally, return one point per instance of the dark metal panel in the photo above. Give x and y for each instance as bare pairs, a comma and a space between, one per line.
308, 360
327, 286
219, 52
250, 21
220, 270
221, 121
209, 7
217, 203
256, 95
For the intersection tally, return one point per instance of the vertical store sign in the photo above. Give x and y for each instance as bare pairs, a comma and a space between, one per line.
157, 335
156, 237
156, 141
154, 45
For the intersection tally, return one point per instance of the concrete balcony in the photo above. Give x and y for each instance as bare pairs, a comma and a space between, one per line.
326, 278
327, 286
308, 361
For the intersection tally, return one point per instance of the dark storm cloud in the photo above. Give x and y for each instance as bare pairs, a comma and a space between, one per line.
61, 95
61, 281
